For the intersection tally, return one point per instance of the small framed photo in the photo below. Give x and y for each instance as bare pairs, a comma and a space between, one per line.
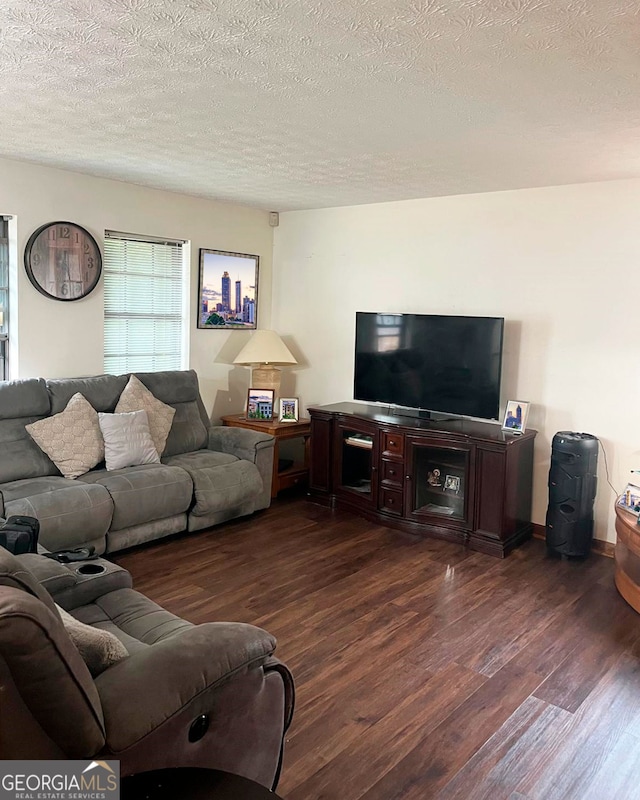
452, 483
288, 409
260, 404
515, 416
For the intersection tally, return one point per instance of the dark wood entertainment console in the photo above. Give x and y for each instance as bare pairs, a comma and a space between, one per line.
458, 479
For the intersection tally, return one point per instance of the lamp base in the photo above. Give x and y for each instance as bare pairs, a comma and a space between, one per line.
266, 377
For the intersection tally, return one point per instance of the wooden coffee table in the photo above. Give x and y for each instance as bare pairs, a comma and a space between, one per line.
192, 784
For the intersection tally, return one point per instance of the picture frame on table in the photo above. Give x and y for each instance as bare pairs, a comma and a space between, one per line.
515, 416
260, 404
288, 409
227, 290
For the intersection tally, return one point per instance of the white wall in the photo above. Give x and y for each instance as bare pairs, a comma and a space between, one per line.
558, 263
57, 339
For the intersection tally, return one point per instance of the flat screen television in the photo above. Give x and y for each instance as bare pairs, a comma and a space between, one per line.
430, 362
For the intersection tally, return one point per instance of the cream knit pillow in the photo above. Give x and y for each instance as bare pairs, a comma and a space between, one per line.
72, 439
98, 648
136, 397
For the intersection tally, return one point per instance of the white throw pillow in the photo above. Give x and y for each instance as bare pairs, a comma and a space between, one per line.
127, 440
136, 397
72, 438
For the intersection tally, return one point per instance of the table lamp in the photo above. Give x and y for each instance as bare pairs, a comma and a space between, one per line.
264, 351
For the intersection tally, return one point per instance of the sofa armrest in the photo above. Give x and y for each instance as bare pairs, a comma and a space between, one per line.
162, 679
253, 446
50, 574
239, 442
273, 664
69, 587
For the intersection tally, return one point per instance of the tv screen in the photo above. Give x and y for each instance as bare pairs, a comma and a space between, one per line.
448, 364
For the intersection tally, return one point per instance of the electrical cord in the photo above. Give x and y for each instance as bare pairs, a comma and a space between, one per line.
606, 467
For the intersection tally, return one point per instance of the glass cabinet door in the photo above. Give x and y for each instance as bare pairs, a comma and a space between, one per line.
357, 453
438, 486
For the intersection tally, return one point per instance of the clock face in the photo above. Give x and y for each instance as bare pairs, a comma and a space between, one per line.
63, 261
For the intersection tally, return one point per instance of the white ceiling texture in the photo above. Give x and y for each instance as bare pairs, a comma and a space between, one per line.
289, 104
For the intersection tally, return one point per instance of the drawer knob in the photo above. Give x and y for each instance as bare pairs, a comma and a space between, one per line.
390, 501
391, 444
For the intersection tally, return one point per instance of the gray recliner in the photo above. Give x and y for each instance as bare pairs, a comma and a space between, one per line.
141, 709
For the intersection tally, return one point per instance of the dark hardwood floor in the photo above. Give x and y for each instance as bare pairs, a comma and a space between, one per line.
423, 670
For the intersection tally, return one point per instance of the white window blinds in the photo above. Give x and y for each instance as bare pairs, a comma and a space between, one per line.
143, 304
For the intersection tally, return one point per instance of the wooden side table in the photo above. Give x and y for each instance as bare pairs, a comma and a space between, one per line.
298, 473
627, 556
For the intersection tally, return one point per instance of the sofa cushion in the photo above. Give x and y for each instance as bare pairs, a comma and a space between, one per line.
127, 440
99, 648
179, 388
137, 621
72, 439
220, 480
24, 398
136, 397
143, 493
71, 513
102, 391
22, 402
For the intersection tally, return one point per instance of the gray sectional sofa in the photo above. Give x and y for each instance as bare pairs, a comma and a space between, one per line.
207, 475
180, 695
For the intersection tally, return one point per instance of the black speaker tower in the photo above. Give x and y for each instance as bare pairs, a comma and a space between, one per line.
572, 492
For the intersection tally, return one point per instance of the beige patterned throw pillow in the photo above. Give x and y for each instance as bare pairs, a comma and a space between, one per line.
136, 397
72, 439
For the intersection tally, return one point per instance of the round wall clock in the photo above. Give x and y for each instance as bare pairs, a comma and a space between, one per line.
63, 261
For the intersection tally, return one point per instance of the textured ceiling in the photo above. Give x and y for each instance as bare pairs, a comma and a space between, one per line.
287, 104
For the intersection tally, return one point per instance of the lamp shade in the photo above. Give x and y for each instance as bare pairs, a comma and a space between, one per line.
265, 347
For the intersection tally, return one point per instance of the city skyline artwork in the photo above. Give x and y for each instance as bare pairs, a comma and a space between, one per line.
227, 290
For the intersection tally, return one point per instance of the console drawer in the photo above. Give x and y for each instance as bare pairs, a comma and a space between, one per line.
393, 473
392, 444
391, 501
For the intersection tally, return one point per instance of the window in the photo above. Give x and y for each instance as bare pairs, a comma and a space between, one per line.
4, 297
144, 304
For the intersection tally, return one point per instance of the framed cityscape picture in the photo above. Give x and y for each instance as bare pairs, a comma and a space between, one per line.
227, 290
260, 404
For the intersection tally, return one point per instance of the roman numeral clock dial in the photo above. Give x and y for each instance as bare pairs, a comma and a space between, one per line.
63, 261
